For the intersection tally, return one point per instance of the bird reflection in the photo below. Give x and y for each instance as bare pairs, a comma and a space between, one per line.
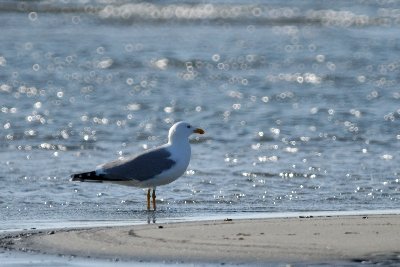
151, 217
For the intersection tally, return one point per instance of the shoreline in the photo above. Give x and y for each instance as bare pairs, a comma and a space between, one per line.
146, 217
332, 238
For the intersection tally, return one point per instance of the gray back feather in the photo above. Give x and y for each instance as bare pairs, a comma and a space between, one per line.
141, 167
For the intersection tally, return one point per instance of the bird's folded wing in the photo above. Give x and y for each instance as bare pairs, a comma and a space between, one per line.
141, 167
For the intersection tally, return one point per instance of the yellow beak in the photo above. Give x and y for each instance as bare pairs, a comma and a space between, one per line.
199, 131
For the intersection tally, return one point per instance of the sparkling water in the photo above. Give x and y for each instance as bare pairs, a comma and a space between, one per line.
299, 100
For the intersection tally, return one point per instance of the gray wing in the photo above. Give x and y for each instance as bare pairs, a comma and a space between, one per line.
141, 167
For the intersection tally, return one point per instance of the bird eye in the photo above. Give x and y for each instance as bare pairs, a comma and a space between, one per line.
188, 126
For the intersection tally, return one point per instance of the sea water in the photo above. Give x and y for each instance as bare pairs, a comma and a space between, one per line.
299, 100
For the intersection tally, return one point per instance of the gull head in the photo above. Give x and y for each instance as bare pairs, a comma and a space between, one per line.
182, 130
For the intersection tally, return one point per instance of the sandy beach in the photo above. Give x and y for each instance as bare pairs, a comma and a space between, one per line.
303, 239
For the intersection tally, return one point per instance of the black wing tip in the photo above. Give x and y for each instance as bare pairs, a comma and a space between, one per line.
85, 176
75, 178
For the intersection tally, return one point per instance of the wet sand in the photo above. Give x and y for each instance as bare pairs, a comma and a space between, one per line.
306, 239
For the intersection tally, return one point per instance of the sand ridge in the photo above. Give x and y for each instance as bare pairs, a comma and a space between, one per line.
254, 240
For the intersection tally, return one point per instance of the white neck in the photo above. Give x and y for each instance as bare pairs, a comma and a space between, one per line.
177, 140
183, 149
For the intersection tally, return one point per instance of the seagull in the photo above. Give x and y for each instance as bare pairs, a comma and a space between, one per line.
154, 167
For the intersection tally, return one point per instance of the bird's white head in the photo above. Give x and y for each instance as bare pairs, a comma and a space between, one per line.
181, 131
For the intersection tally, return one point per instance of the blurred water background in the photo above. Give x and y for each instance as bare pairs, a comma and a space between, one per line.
299, 99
